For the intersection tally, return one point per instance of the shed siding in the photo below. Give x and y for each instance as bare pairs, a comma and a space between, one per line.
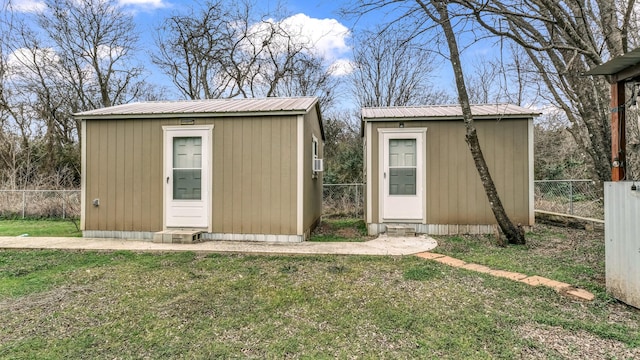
312, 188
454, 192
125, 205
253, 176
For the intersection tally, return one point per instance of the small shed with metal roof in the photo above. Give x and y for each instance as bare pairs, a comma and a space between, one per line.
183, 171
420, 174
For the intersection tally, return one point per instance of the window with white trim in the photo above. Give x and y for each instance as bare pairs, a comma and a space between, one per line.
314, 155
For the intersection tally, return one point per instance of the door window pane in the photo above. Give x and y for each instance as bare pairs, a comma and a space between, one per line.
186, 184
402, 181
402, 166
187, 152
187, 168
402, 152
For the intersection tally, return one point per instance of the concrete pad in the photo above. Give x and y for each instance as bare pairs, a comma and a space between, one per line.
380, 246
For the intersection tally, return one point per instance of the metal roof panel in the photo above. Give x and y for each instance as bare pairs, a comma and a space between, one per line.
617, 64
205, 107
443, 112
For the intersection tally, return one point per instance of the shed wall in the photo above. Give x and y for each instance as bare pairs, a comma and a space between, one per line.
253, 175
621, 228
454, 193
312, 188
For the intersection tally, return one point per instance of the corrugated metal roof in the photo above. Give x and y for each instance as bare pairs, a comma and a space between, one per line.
443, 112
617, 64
233, 107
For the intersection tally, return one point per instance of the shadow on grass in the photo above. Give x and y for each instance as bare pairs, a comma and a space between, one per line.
340, 229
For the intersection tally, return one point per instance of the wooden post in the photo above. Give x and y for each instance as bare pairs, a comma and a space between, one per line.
618, 136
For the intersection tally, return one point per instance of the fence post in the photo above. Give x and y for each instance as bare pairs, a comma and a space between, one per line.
570, 197
357, 200
24, 202
64, 202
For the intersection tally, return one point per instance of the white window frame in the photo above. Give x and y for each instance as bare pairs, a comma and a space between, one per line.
314, 155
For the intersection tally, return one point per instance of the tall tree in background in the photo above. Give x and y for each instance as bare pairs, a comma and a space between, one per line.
69, 56
438, 12
224, 50
514, 235
562, 40
343, 148
95, 41
391, 69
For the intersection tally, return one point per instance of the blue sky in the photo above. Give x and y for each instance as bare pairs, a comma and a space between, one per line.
313, 16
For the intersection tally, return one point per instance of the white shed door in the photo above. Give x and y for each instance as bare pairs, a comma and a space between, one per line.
402, 194
187, 177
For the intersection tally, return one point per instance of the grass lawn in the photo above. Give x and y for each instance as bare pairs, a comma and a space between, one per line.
63, 228
340, 229
107, 305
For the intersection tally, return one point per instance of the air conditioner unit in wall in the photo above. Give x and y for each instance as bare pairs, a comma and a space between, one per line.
318, 165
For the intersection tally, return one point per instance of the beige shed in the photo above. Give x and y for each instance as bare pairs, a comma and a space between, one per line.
179, 171
420, 174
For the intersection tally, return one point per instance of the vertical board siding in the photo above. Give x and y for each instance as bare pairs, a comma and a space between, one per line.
312, 187
233, 164
217, 177
453, 189
125, 174
253, 176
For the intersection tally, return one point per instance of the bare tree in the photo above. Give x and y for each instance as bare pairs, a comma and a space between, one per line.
95, 41
391, 69
71, 56
224, 50
562, 40
514, 234
557, 154
438, 12
189, 49
309, 76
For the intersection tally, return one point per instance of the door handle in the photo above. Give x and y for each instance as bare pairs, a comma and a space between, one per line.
167, 179
385, 175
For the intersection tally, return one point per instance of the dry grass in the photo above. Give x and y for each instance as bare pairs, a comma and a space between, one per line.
182, 305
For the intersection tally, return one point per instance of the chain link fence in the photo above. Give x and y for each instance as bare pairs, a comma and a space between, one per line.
20, 204
343, 199
573, 197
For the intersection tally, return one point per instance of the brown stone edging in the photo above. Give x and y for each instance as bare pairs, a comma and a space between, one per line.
560, 287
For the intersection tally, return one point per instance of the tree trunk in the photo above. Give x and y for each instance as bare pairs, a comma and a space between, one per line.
514, 235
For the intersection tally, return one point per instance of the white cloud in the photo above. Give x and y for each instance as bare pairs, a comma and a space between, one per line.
341, 67
107, 52
23, 57
325, 37
148, 4
27, 6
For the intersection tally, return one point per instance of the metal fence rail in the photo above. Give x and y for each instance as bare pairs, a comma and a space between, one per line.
39, 204
343, 199
573, 197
